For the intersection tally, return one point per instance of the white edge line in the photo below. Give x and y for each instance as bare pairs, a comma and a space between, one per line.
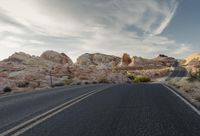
183, 99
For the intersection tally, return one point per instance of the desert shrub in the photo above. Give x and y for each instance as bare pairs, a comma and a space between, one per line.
68, 81
94, 82
78, 83
194, 77
197, 98
131, 77
141, 79
103, 80
22, 84
7, 89
138, 78
188, 90
86, 83
58, 84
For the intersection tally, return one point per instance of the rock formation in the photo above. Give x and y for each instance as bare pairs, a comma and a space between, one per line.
56, 57
98, 59
22, 71
139, 62
126, 60
192, 63
18, 57
92, 73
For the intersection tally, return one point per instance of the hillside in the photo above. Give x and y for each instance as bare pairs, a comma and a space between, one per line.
192, 63
191, 58
23, 72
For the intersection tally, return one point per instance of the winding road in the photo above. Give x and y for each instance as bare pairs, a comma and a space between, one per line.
150, 109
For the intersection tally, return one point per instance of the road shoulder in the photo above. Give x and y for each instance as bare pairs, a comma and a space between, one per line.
184, 98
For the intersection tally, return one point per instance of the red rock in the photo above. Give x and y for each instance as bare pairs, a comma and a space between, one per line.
126, 60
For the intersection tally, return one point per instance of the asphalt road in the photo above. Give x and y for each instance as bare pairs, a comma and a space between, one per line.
121, 110
178, 72
17, 108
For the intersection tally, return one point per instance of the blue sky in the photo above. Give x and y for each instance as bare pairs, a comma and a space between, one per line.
138, 27
185, 26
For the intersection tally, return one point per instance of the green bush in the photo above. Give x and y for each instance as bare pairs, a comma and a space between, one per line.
7, 89
58, 84
194, 77
68, 81
141, 79
138, 78
131, 77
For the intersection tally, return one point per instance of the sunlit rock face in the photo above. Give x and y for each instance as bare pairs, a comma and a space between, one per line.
98, 59
192, 63
56, 57
97, 73
160, 61
18, 57
139, 62
125, 60
22, 71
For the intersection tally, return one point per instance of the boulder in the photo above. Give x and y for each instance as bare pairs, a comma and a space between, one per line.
18, 57
56, 57
98, 59
126, 60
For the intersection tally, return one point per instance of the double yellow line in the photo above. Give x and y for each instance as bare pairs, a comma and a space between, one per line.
23, 127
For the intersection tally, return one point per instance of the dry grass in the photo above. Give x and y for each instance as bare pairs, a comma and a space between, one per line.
197, 98
152, 73
190, 89
186, 85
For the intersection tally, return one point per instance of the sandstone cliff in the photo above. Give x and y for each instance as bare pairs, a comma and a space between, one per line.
192, 63
98, 59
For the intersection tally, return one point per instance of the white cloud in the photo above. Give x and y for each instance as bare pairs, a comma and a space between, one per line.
79, 26
167, 19
9, 44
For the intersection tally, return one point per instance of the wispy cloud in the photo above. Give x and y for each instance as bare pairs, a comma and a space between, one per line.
79, 26
167, 19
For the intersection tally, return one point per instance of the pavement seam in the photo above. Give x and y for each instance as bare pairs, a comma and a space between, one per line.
183, 99
23, 127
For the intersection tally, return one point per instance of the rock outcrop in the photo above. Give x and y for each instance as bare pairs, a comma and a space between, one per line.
126, 60
192, 58
98, 59
22, 71
18, 57
139, 62
56, 57
100, 73
192, 63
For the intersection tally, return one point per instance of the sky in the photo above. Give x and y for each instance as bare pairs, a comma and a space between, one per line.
139, 27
